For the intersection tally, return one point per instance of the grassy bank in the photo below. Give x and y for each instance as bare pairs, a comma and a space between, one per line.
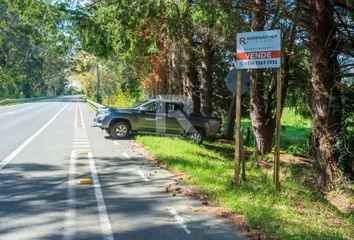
294, 132
297, 212
31, 100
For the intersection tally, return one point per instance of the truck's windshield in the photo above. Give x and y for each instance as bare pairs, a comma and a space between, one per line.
137, 105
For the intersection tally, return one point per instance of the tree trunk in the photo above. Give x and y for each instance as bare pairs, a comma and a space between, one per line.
206, 88
176, 76
326, 98
263, 123
98, 96
287, 55
230, 125
191, 75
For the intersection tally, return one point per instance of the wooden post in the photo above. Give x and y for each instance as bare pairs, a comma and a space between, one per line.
243, 160
236, 180
277, 137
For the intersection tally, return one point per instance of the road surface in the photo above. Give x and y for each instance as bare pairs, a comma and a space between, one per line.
47, 147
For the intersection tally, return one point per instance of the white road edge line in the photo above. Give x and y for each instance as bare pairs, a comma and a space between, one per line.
70, 213
102, 211
179, 220
138, 171
143, 176
82, 119
116, 143
29, 140
126, 155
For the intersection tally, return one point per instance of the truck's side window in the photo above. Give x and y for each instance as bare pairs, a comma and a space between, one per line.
151, 107
173, 108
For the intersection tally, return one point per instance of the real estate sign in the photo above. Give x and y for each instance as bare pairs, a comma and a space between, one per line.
258, 49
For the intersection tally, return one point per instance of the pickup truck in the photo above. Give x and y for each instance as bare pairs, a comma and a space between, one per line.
157, 116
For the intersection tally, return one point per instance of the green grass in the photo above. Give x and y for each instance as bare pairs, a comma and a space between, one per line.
294, 132
297, 212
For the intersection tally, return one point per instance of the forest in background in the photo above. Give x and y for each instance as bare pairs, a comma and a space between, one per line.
141, 49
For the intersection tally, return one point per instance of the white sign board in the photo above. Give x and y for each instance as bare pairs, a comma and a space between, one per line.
258, 49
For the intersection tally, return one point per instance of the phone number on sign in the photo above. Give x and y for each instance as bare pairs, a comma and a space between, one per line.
262, 62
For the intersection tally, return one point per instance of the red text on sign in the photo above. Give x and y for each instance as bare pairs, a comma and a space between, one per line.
258, 55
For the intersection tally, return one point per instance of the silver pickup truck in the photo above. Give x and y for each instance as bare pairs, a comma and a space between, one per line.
157, 117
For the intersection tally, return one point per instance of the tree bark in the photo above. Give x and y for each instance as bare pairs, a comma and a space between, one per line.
206, 87
191, 75
176, 76
230, 125
326, 97
263, 123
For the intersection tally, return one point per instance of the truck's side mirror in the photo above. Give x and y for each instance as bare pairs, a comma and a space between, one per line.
142, 109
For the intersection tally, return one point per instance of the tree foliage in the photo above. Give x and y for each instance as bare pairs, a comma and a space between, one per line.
33, 49
186, 48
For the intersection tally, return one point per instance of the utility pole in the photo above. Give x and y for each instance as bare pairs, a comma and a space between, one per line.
98, 98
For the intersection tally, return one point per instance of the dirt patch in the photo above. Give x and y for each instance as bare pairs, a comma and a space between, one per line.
296, 167
237, 220
266, 166
341, 201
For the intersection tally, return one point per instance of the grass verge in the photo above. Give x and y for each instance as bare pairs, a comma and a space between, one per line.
297, 212
294, 132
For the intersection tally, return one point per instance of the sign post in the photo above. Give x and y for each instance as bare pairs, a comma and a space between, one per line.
258, 50
277, 133
236, 180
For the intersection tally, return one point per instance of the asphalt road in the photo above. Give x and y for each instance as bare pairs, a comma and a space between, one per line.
47, 147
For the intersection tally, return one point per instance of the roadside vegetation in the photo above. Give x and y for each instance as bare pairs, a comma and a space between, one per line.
186, 49
295, 132
120, 52
298, 211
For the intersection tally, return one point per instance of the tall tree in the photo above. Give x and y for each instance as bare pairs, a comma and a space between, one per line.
206, 87
263, 82
33, 49
191, 76
263, 122
318, 19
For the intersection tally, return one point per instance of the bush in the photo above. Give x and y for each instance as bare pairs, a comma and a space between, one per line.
121, 99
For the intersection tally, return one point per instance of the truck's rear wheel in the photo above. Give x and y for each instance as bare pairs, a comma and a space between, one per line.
120, 130
197, 136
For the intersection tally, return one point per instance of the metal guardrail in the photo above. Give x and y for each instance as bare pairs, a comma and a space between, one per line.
97, 105
22, 100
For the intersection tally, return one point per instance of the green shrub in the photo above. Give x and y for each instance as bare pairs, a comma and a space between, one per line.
121, 99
